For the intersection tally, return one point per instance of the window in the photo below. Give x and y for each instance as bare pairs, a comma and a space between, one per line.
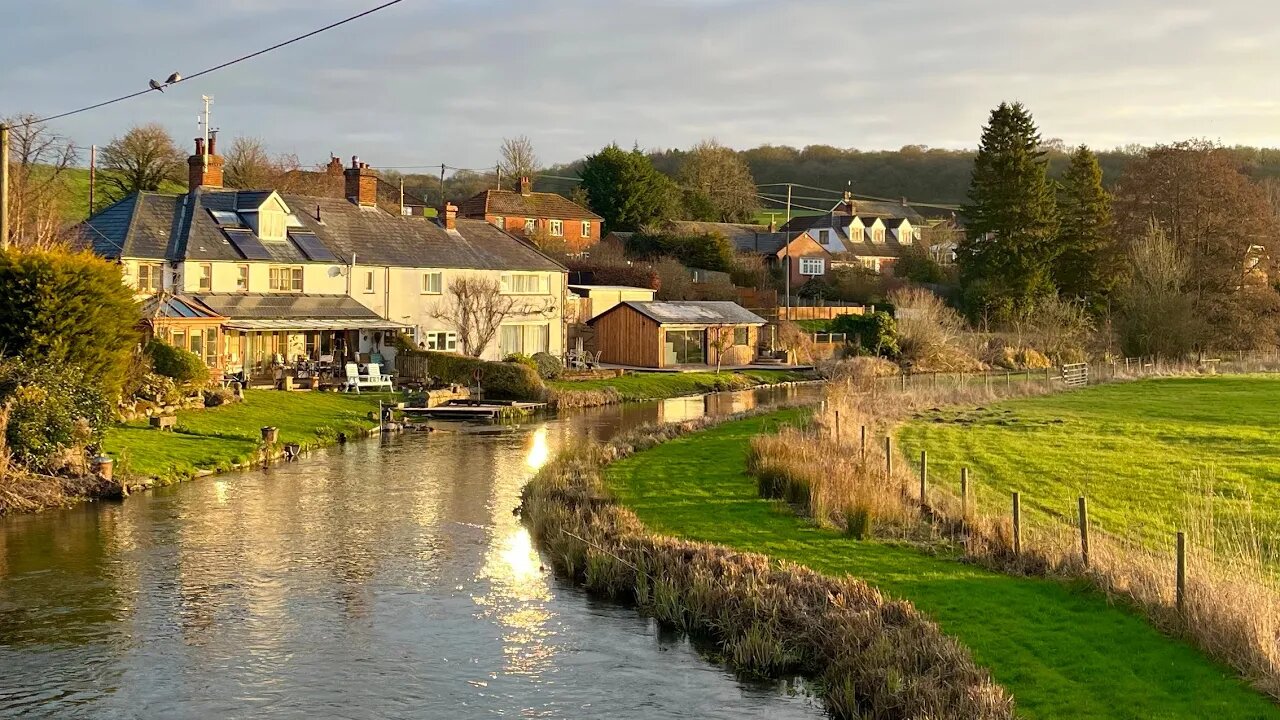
500, 222
913, 236
431, 283
741, 336
530, 225
871, 263
877, 235
149, 277
525, 339
368, 281
811, 266
684, 347
206, 276
441, 340
242, 278
285, 279
586, 228
522, 284
824, 236
557, 228
271, 224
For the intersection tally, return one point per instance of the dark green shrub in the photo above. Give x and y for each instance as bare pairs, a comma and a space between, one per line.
874, 334
59, 308
52, 410
522, 359
549, 366
498, 380
184, 366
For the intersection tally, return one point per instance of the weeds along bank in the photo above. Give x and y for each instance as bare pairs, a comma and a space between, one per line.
1229, 609
874, 657
638, 387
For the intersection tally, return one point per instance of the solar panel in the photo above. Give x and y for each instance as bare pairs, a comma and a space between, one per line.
311, 246
247, 245
226, 218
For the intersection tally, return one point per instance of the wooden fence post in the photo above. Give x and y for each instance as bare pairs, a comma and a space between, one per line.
1017, 523
1182, 569
1084, 530
904, 382
888, 456
924, 474
837, 426
864, 443
1008, 379
964, 492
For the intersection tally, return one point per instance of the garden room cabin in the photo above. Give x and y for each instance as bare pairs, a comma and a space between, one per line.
669, 334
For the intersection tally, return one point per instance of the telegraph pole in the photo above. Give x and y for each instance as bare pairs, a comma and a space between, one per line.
787, 246
93, 168
4, 187
442, 200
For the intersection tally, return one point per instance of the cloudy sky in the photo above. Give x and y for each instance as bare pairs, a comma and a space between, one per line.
431, 81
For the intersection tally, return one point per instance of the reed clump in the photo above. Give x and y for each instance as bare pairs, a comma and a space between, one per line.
876, 657
1231, 608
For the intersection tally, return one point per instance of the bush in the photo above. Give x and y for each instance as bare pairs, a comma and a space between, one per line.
927, 328
549, 366
874, 334
709, 251
52, 411
158, 389
916, 265
65, 308
498, 380
184, 366
522, 359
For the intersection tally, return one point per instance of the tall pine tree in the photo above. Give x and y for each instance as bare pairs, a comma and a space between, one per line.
1006, 259
626, 190
1084, 268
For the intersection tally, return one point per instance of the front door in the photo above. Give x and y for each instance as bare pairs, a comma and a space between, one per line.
686, 347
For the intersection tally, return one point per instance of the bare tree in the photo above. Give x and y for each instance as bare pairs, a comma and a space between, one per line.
40, 199
476, 307
717, 184
1157, 308
518, 159
247, 165
143, 159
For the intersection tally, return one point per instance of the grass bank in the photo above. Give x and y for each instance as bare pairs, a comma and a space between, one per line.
1146, 454
636, 387
221, 438
1061, 649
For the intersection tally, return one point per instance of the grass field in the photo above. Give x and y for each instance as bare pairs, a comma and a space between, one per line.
657, 386
1142, 452
1063, 651
217, 438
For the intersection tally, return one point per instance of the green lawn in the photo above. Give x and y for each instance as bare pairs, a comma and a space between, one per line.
1063, 651
217, 438
1140, 451
654, 386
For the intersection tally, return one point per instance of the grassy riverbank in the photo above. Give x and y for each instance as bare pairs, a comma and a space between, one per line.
1149, 454
1062, 650
222, 437
635, 387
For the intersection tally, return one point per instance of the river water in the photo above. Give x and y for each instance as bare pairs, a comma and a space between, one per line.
382, 579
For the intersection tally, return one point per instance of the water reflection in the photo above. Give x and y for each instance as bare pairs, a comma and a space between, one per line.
376, 580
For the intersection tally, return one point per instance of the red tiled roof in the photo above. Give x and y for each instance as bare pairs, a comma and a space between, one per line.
508, 203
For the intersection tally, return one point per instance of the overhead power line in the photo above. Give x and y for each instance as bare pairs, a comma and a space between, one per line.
215, 68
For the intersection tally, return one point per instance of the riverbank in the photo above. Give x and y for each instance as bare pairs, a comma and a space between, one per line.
639, 387
227, 437
1062, 650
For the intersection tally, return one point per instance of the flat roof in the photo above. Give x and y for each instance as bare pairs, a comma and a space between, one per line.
610, 287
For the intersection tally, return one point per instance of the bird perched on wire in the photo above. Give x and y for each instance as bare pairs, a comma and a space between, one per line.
156, 86
173, 79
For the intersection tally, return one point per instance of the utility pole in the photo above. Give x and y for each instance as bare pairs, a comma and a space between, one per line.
787, 247
93, 169
208, 100
402, 195
498, 169
4, 187
443, 202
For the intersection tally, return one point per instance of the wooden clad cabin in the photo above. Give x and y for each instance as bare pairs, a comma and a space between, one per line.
661, 334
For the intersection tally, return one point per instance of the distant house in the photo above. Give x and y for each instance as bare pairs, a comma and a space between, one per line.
528, 213
795, 251
671, 334
870, 234
601, 298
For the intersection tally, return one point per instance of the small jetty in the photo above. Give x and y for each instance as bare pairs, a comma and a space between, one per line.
475, 409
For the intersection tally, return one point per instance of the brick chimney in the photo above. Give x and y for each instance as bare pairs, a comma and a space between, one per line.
526, 188
449, 216
361, 183
334, 167
204, 169
847, 205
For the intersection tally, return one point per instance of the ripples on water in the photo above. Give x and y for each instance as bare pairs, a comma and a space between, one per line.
376, 580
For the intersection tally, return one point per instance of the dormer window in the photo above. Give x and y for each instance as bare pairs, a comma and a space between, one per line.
271, 224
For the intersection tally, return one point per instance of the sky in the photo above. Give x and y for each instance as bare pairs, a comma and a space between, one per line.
426, 82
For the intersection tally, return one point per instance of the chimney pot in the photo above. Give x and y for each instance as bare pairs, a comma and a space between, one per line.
213, 142
525, 186
199, 146
204, 169
361, 185
355, 161
449, 216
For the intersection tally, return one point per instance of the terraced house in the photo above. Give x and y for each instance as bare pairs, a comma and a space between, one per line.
536, 215
865, 233
251, 279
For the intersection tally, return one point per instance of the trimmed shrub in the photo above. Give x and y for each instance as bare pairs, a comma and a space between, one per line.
184, 366
522, 359
874, 334
52, 411
498, 380
59, 308
549, 366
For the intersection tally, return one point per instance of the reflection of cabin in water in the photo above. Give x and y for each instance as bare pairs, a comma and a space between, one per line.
663, 334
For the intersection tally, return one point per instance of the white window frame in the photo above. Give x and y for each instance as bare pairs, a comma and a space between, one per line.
807, 265
877, 235
155, 277
271, 224
499, 222
441, 340
204, 281
530, 225
430, 279
586, 228
242, 278
294, 278
370, 282
557, 228
518, 284
530, 338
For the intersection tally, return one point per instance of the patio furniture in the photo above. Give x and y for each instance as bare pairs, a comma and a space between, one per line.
374, 378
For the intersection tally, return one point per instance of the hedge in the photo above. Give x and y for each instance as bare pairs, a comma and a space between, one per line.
498, 380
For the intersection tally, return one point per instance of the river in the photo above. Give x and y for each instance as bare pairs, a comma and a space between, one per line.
381, 579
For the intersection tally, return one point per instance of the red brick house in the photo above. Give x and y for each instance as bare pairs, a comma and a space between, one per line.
795, 251
527, 212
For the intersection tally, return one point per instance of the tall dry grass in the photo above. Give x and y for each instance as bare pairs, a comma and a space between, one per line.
1232, 606
876, 657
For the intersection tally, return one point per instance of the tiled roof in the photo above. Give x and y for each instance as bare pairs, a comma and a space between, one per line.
508, 203
181, 227
691, 312
765, 242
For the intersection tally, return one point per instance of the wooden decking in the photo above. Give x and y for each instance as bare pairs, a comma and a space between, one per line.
475, 410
